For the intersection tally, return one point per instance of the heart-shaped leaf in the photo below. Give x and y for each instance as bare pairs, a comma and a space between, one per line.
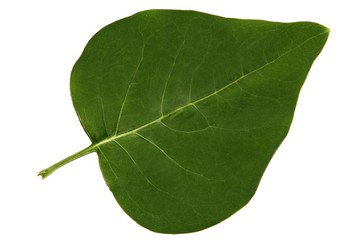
186, 109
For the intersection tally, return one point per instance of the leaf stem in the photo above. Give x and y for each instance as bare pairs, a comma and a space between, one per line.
46, 172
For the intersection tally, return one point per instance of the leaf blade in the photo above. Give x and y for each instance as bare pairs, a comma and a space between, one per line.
175, 123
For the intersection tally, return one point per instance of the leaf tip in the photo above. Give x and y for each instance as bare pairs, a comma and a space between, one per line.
327, 30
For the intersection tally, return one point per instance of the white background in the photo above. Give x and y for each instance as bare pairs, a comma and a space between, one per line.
309, 191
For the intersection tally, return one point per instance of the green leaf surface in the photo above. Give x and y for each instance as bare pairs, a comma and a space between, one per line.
186, 109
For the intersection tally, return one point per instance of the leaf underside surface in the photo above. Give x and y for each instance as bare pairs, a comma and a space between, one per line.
186, 109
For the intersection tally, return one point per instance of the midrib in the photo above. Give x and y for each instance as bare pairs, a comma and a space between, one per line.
179, 109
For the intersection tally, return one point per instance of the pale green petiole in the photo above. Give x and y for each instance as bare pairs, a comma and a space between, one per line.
46, 172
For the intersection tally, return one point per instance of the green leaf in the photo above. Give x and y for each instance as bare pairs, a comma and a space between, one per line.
186, 109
